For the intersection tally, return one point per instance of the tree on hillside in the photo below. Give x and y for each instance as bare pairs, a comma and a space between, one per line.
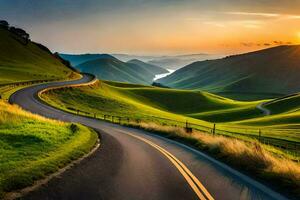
4, 24
20, 32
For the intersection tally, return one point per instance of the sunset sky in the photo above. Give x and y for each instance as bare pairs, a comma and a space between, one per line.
157, 26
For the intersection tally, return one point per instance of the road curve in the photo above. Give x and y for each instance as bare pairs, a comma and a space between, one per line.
135, 164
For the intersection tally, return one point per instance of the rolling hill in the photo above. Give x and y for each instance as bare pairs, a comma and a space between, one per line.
21, 61
110, 68
150, 103
140, 101
287, 104
265, 73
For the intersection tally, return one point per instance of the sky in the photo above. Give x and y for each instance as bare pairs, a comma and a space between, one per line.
156, 27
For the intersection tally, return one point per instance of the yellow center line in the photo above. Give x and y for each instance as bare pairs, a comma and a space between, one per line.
193, 181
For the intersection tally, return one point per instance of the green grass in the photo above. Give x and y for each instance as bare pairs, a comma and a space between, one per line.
158, 104
285, 114
142, 101
284, 105
20, 62
228, 115
32, 147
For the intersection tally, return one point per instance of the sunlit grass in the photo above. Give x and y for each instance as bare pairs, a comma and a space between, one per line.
32, 146
203, 109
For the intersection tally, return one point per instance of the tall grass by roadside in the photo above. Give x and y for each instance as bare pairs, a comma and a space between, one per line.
31, 146
250, 157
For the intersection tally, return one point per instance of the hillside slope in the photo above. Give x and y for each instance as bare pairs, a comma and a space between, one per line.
23, 62
140, 101
110, 68
270, 71
153, 69
287, 104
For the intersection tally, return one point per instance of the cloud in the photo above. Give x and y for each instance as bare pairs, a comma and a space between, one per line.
254, 14
293, 16
266, 15
220, 25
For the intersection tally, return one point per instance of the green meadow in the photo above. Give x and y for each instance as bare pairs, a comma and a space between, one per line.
32, 146
175, 107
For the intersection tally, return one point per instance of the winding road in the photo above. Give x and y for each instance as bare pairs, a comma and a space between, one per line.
135, 164
264, 110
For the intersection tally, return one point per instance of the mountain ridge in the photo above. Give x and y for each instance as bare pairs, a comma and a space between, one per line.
110, 68
263, 71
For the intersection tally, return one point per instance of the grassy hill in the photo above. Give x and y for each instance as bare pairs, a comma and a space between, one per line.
24, 62
270, 72
144, 102
151, 104
158, 104
285, 112
32, 147
110, 68
286, 104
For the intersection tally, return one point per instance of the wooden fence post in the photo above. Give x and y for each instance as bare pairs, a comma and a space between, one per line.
214, 129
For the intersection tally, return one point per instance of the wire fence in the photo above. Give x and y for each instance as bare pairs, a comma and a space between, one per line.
259, 135
7, 87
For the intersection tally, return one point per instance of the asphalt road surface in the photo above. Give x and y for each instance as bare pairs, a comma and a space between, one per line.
135, 164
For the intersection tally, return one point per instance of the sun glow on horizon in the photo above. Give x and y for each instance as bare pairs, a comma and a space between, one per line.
160, 28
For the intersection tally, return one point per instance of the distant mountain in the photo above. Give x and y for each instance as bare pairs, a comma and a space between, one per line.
77, 59
270, 71
153, 69
167, 62
110, 68
176, 62
128, 57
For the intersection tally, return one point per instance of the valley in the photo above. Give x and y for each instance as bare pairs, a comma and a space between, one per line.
152, 126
